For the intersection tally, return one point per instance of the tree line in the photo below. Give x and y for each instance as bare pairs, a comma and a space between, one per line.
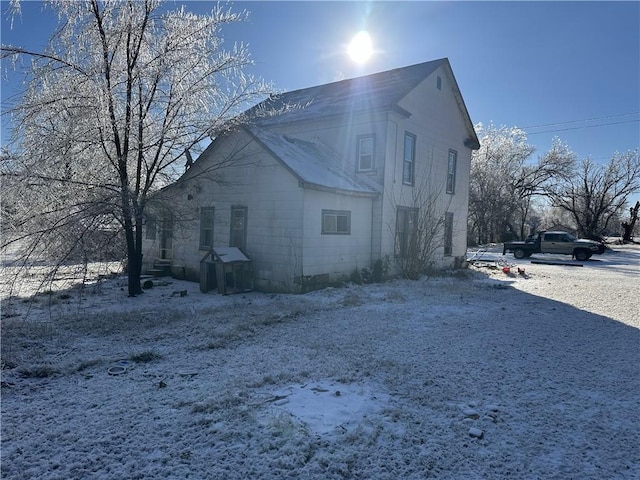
512, 195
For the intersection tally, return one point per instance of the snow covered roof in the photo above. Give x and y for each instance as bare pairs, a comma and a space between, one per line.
313, 163
378, 91
230, 255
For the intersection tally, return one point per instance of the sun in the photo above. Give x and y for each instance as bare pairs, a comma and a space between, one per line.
360, 49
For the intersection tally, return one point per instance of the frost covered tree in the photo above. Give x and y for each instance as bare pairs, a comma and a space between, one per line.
111, 109
504, 180
596, 194
494, 169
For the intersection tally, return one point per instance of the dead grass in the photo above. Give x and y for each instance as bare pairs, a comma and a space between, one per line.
38, 371
145, 356
351, 300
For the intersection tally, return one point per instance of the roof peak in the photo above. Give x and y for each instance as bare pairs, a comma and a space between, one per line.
381, 90
390, 72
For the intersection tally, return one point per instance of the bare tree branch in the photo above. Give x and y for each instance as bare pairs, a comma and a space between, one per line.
120, 93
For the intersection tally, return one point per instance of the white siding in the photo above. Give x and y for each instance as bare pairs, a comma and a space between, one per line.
341, 134
438, 125
274, 203
284, 219
336, 255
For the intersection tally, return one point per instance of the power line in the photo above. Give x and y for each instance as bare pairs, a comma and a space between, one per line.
581, 127
582, 120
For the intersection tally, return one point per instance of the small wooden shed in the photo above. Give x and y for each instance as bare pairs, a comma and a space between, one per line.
228, 269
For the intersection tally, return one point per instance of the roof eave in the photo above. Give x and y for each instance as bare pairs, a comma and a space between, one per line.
339, 191
472, 143
383, 109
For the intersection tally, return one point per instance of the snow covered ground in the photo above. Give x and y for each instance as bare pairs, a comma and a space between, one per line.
481, 375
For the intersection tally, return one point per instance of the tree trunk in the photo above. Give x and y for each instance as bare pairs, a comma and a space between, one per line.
629, 226
134, 259
134, 269
134, 253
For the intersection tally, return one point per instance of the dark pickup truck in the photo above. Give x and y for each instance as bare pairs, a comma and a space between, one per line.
554, 242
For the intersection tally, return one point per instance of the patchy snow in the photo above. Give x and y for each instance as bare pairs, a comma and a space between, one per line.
485, 375
327, 407
230, 254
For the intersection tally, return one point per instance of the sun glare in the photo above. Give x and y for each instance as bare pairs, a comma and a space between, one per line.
360, 48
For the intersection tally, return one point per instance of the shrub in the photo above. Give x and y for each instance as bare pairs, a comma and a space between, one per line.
375, 274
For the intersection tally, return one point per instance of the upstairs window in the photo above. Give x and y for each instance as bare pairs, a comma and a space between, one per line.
206, 227
408, 158
336, 222
365, 152
451, 171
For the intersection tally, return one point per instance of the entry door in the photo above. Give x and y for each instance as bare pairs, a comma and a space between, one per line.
238, 228
166, 237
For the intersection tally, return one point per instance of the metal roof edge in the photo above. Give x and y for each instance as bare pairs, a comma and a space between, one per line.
339, 191
472, 142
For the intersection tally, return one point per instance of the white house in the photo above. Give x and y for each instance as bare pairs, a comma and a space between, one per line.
330, 179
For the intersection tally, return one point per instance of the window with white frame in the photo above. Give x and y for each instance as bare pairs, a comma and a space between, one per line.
408, 158
166, 236
365, 152
451, 171
448, 233
206, 227
238, 236
336, 222
151, 227
406, 231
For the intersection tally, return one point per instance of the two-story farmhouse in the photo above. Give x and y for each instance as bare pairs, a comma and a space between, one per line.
330, 179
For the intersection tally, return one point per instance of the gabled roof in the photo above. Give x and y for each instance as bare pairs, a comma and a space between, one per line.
313, 163
379, 91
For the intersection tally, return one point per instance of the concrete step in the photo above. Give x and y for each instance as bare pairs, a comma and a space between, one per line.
159, 271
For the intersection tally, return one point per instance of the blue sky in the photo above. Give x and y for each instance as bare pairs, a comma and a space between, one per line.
572, 66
